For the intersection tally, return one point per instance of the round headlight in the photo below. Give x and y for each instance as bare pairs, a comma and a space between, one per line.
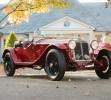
72, 44
94, 44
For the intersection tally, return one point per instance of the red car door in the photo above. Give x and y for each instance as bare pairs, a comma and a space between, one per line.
25, 53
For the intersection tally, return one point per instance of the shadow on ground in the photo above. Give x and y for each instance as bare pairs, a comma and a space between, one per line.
66, 77
32, 76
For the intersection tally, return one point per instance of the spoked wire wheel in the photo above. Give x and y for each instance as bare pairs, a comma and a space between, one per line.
9, 67
55, 65
103, 70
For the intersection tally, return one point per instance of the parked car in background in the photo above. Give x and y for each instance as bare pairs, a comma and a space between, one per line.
56, 56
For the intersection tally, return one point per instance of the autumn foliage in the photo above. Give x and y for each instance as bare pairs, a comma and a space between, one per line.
20, 10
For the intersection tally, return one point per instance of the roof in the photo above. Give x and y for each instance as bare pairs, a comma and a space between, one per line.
73, 25
94, 14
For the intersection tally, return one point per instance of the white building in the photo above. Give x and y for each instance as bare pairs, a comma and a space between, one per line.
68, 27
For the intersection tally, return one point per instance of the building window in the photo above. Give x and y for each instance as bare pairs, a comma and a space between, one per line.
66, 24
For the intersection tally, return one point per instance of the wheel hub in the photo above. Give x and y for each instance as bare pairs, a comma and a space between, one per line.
51, 65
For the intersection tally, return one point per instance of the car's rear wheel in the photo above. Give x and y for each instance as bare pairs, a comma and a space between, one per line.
55, 65
9, 66
103, 70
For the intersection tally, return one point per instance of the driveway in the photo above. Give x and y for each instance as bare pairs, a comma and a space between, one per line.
34, 85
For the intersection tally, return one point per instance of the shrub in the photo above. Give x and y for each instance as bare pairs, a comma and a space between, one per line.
10, 39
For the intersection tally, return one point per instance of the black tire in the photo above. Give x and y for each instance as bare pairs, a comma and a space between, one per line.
104, 72
55, 65
9, 66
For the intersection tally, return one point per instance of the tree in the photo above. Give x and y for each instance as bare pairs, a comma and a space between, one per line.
10, 39
19, 10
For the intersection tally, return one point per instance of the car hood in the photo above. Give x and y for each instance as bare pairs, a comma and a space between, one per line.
53, 41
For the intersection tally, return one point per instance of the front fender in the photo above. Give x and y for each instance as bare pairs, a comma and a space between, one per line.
61, 46
103, 46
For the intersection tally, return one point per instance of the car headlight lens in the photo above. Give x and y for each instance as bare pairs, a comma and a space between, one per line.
72, 44
94, 44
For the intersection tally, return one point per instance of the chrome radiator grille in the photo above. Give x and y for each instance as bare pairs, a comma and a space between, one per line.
82, 51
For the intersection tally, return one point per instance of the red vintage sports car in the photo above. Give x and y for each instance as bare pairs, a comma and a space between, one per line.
56, 56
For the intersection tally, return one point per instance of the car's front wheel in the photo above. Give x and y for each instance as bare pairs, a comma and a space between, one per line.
9, 66
55, 65
103, 70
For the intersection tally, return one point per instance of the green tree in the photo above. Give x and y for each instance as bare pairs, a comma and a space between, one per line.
10, 39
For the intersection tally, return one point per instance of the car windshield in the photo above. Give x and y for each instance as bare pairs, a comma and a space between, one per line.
82, 36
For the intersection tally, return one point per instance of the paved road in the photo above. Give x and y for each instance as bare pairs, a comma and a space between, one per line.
74, 86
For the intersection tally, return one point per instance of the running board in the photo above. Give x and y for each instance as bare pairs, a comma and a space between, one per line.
36, 67
88, 66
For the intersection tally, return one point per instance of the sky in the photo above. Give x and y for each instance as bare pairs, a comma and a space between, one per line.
91, 1
82, 1
4, 1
